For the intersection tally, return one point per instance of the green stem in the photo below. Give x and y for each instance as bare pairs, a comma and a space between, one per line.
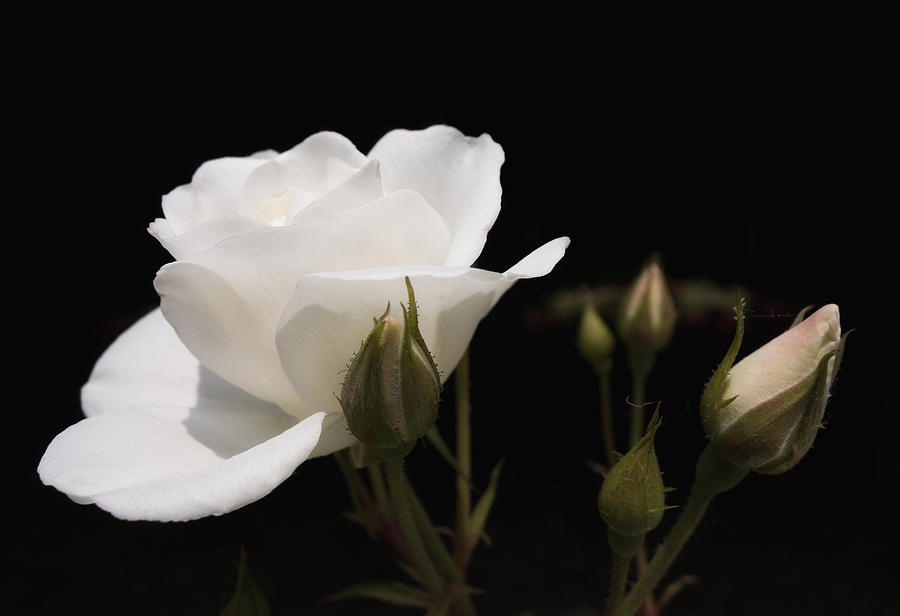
640, 363
640, 565
349, 473
378, 489
617, 580
463, 458
609, 442
638, 396
403, 511
714, 475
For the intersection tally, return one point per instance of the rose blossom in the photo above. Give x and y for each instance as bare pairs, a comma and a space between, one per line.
282, 260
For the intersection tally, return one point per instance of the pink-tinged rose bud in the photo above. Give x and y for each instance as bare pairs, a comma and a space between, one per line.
766, 412
647, 316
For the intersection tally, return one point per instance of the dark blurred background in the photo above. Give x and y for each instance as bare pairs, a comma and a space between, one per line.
749, 168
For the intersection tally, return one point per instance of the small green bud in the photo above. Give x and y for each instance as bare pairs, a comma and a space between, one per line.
763, 413
632, 498
647, 316
391, 392
595, 339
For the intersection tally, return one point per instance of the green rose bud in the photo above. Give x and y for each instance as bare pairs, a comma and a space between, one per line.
632, 498
764, 412
594, 339
391, 392
647, 316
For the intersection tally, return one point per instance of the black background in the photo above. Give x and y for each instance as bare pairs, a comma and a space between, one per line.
758, 168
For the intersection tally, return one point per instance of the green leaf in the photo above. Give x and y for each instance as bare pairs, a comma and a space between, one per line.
840, 355
711, 401
357, 518
437, 441
351, 478
482, 509
674, 588
396, 593
408, 570
801, 315
248, 599
442, 607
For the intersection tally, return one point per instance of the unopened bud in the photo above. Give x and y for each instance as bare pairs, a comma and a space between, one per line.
632, 498
391, 392
594, 339
764, 412
647, 316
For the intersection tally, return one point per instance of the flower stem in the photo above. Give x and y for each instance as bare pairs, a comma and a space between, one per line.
714, 475
403, 511
640, 563
609, 441
376, 479
617, 580
640, 364
640, 371
463, 460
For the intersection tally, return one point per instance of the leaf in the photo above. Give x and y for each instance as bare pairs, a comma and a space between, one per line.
248, 599
482, 509
801, 315
674, 588
437, 441
409, 570
396, 593
357, 518
359, 515
441, 608
711, 400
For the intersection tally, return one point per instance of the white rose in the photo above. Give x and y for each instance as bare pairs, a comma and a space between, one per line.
282, 261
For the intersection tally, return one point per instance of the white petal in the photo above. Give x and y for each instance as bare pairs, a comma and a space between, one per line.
141, 466
330, 314
317, 164
335, 435
146, 365
204, 236
458, 175
148, 368
362, 187
213, 192
540, 262
167, 439
225, 303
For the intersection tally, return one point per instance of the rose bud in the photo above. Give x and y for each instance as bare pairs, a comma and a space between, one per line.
632, 498
763, 414
647, 316
594, 339
391, 392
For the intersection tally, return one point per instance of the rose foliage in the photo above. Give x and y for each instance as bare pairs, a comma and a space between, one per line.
281, 262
